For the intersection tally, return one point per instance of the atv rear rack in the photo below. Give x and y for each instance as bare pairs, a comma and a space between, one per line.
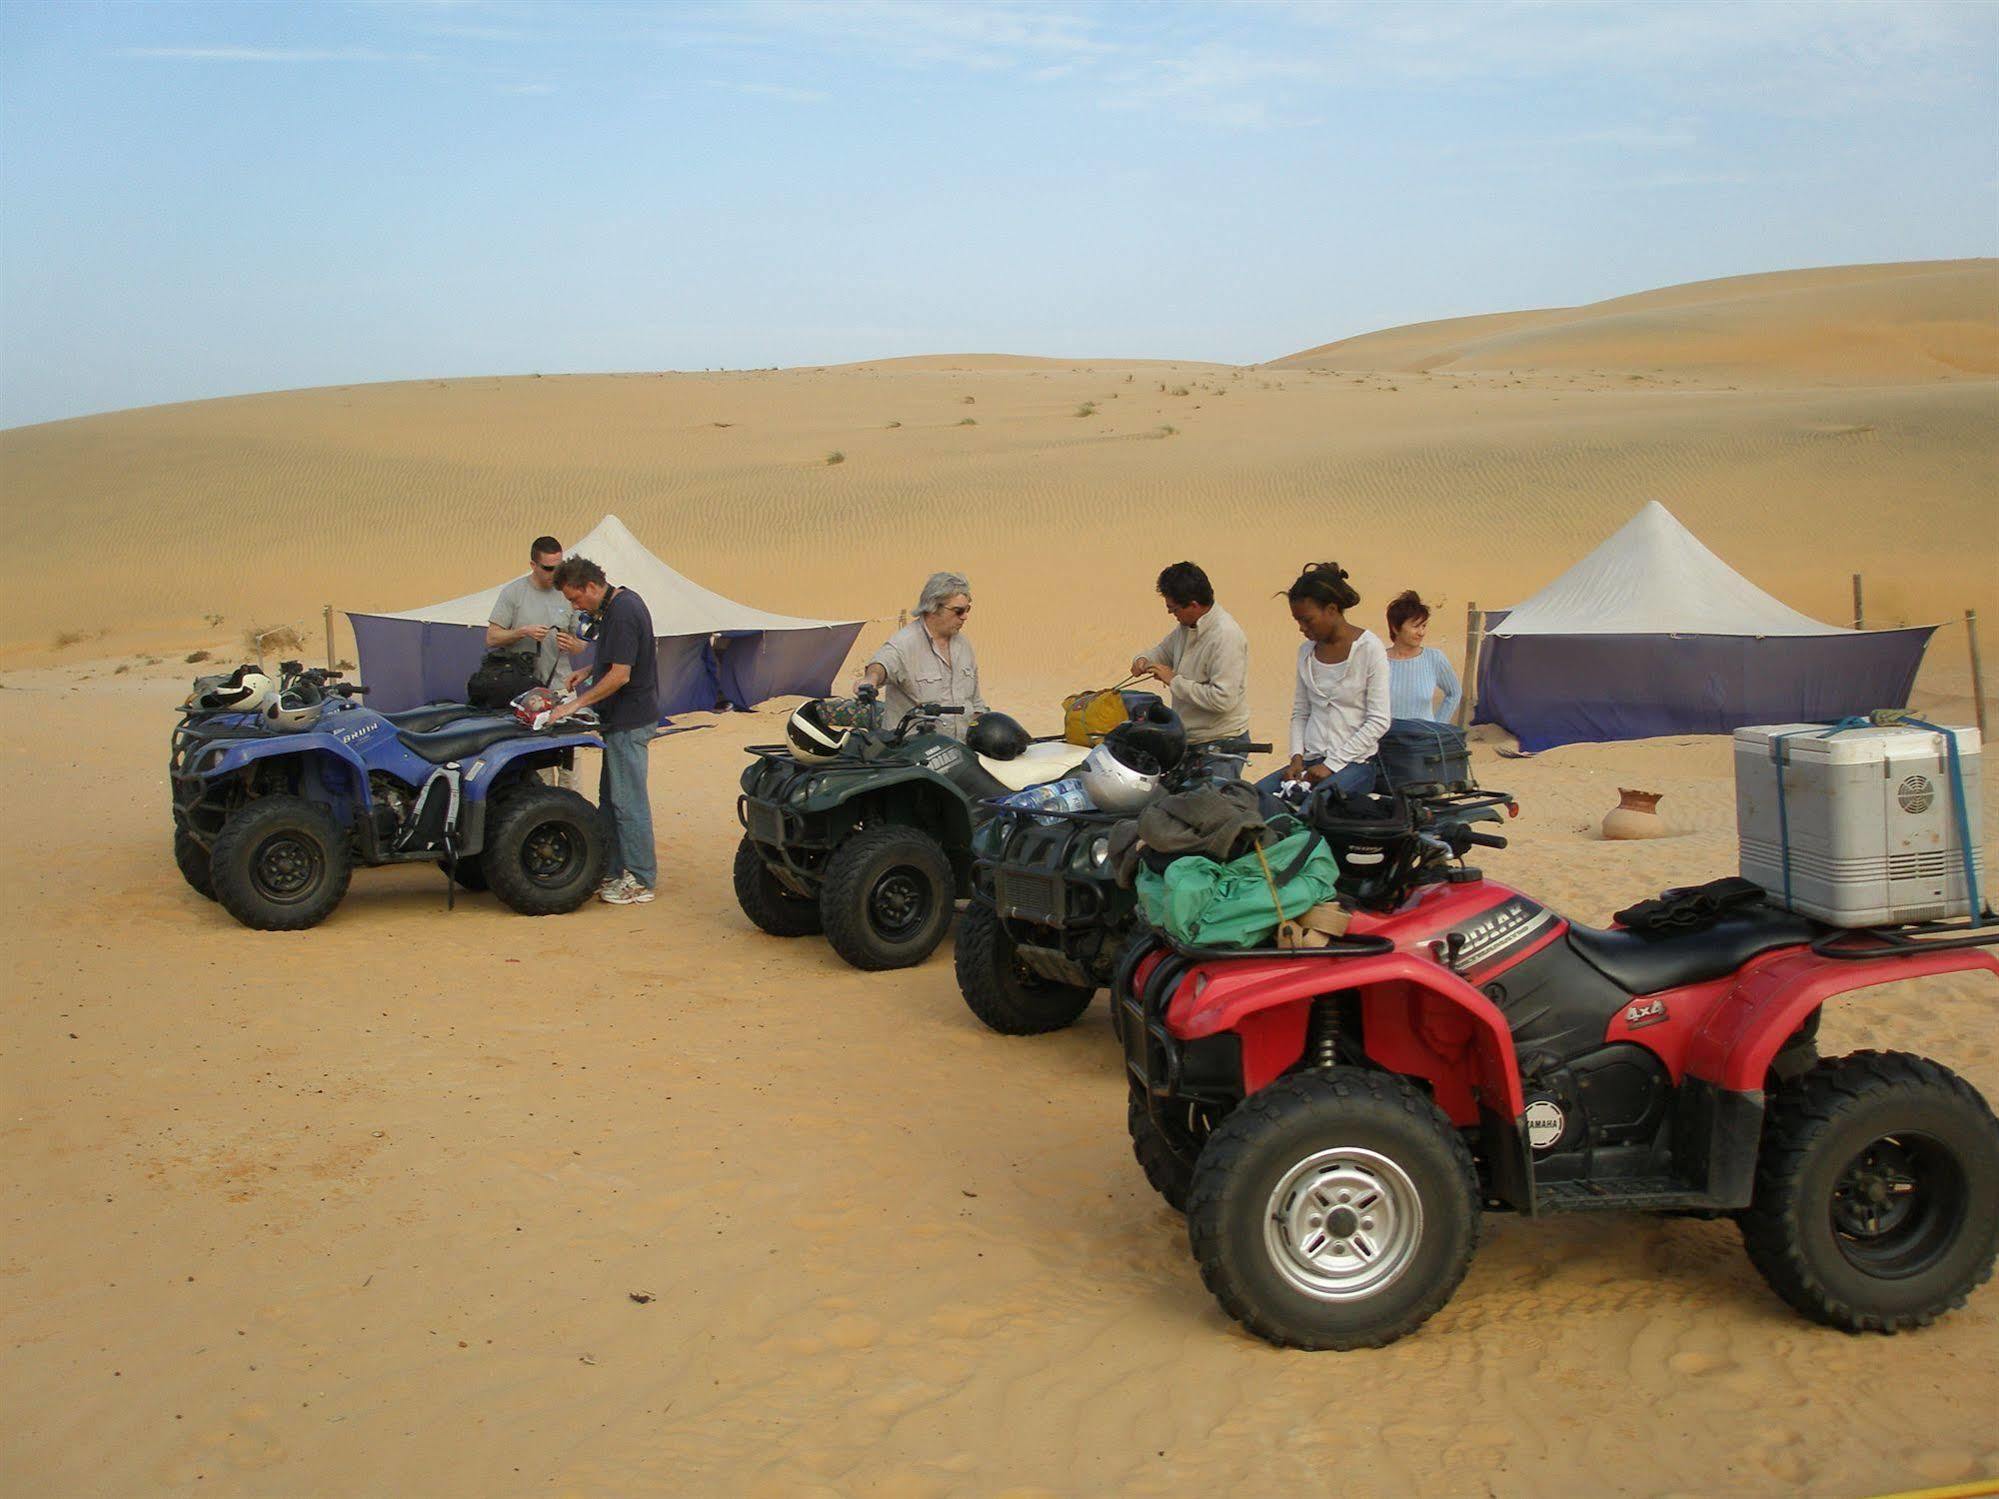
1904, 941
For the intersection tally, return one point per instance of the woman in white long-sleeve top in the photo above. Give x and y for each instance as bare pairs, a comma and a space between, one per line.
1339, 707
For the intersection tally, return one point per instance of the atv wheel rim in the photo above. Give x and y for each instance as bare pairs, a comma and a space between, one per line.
899, 904
1343, 1224
286, 868
549, 854
1897, 1206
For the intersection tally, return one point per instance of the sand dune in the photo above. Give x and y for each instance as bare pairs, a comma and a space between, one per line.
1862, 325
363, 1209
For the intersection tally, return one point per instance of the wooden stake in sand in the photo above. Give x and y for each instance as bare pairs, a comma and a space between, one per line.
1977, 671
1474, 634
329, 637
1859, 610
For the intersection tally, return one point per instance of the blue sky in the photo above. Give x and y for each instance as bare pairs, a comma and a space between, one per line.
201, 200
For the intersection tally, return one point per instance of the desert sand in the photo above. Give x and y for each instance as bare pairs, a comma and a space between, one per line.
367, 1209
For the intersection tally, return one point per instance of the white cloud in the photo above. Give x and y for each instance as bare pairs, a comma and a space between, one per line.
273, 54
781, 91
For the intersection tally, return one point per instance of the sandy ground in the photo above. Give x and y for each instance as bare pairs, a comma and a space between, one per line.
364, 1210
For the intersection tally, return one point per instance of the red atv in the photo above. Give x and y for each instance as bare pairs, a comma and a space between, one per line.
1333, 1121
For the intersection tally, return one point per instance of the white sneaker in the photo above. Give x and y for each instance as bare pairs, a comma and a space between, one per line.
627, 892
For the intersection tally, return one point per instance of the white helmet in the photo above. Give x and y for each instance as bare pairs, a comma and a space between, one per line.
244, 690
1114, 785
812, 739
295, 708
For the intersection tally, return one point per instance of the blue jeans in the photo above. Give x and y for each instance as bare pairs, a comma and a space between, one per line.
1356, 779
627, 807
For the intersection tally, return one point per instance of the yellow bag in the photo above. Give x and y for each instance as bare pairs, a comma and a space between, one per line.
1088, 716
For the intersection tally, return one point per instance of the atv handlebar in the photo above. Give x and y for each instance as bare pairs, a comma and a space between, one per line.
1483, 840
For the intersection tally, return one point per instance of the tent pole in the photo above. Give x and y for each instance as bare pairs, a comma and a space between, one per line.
329, 637
1977, 671
1474, 633
1859, 611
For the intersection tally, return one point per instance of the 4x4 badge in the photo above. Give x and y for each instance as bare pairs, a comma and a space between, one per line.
1638, 1016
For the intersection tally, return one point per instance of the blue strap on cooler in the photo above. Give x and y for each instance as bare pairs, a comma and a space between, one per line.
1883, 718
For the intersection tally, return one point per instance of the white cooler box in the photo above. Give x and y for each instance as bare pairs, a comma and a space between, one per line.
1873, 828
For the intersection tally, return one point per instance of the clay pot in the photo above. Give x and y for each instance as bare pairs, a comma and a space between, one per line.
1636, 815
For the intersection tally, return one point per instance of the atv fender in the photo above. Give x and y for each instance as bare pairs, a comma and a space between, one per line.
1777, 993
1417, 1019
947, 804
483, 770
333, 774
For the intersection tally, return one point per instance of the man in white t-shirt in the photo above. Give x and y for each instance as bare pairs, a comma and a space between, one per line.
533, 618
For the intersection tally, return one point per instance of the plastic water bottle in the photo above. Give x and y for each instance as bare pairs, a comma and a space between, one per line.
1053, 796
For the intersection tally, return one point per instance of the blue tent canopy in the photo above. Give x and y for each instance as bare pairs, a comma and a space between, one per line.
1652, 634
712, 650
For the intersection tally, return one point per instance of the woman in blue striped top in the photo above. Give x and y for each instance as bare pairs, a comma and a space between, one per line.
1417, 672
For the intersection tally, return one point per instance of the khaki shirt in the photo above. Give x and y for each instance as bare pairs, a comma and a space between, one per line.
1210, 687
917, 674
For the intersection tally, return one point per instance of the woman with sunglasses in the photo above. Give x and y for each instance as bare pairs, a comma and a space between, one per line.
929, 660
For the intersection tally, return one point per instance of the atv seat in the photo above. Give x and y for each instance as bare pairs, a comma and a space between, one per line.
1641, 964
435, 716
1047, 761
456, 744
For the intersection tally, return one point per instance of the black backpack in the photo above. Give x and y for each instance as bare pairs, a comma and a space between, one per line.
501, 677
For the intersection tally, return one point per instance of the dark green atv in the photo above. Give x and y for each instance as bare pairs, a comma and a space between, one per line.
1048, 918
873, 846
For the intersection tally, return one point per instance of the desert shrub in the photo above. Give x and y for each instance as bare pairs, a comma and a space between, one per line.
835, 457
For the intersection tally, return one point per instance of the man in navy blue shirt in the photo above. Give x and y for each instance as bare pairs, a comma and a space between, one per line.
623, 686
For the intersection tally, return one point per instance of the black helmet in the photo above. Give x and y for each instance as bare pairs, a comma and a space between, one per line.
1157, 734
997, 737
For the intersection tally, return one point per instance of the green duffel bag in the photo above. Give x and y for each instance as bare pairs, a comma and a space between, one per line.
1202, 903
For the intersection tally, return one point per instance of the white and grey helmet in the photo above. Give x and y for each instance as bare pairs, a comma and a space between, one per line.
296, 707
813, 740
244, 690
1118, 784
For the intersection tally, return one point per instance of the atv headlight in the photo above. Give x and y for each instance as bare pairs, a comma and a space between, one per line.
1100, 853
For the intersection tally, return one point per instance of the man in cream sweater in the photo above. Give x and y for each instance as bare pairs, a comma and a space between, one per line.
1203, 661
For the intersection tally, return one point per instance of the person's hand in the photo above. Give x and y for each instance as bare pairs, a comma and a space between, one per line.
536, 633
1295, 771
1140, 667
1316, 773
569, 644
1162, 673
561, 711
577, 676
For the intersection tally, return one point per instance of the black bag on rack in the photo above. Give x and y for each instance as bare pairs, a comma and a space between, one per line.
501, 677
1415, 753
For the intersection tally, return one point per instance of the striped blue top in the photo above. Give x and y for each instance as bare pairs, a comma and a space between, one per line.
1414, 684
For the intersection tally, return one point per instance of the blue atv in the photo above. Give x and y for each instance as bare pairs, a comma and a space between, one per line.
273, 809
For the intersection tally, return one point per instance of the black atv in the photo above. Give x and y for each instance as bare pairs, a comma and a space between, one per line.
1048, 918
873, 845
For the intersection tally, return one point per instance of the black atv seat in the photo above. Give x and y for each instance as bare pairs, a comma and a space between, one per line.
435, 716
456, 744
1641, 964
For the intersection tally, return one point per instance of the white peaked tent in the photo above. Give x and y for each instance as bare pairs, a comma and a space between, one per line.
1653, 634
425, 655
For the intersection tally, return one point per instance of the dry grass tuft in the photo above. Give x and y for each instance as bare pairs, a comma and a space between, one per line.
272, 638
968, 422
835, 457
193, 656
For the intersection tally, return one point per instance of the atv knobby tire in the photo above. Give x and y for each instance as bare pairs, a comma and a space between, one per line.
280, 864
545, 850
1336, 1208
764, 898
1166, 1151
1000, 991
192, 861
1877, 1192
887, 897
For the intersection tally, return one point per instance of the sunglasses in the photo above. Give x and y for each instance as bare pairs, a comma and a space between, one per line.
961, 610
544, 567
